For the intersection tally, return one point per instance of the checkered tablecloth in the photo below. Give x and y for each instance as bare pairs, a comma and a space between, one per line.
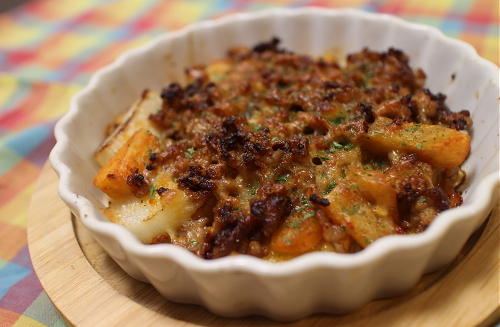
48, 50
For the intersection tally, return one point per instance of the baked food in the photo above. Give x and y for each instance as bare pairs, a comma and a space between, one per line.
275, 154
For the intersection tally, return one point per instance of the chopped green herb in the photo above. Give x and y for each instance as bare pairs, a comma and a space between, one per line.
421, 199
348, 146
304, 202
287, 241
275, 138
308, 215
413, 128
189, 153
420, 146
258, 128
152, 191
337, 146
252, 190
351, 211
296, 223
282, 179
329, 187
337, 121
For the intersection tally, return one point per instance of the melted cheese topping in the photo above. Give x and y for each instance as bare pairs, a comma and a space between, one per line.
275, 154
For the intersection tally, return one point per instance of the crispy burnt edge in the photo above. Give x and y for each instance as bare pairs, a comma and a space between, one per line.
235, 230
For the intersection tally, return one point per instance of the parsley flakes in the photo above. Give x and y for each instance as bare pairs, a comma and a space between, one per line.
152, 191
308, 215
413, 128
282, 179
337, 121
351, 211
252, 190
338, 147
189, 153
329, 188
421, 199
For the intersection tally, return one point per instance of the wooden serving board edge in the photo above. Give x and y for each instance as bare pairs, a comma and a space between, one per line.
89, 289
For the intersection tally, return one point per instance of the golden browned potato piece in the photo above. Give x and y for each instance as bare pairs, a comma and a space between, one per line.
128, 123
360, 218
375, 188
299, 234
156, 215
440, 146
132, 157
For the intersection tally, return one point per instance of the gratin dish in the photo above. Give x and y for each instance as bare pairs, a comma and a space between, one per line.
315, 282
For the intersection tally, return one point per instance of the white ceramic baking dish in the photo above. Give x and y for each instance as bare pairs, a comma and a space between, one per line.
316, 282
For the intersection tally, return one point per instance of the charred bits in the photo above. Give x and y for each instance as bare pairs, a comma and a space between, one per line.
162, 190
172, 94
367, 111
196, 180
271, 45
138, 184
298, 146
295, 107
271, 208
231, 228
314, 198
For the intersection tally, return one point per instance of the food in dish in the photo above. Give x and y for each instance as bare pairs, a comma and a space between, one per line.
275, 154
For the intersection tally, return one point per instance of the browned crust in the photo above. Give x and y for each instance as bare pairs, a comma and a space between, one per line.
261, 144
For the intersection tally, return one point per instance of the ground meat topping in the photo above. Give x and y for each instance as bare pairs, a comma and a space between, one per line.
232, 228
196, 180
266, 140
272, 208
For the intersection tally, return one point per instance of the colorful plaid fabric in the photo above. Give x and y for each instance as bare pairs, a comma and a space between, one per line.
48, 50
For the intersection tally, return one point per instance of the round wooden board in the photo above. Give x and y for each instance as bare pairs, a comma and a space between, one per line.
89, 289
